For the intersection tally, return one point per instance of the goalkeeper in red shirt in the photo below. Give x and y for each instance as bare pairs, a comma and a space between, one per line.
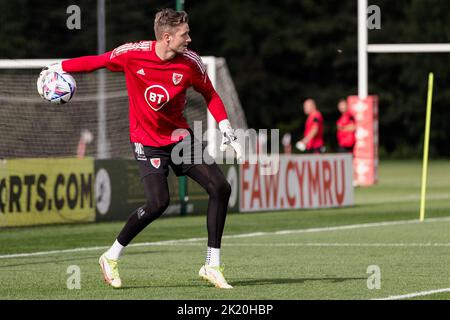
157, 74
346, 128
312, 141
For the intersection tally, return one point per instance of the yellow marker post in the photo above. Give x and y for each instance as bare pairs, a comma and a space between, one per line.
425, 146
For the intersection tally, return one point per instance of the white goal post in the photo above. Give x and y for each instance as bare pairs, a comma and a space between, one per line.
364, 48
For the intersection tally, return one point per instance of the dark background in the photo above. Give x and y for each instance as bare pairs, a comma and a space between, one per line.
279, 53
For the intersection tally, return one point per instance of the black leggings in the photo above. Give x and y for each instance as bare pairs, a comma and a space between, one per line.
210, 177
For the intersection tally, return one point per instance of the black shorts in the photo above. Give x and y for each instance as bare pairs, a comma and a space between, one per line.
180, 156
345, 149
316, 150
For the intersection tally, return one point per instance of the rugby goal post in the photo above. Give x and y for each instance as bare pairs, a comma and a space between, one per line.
364, 48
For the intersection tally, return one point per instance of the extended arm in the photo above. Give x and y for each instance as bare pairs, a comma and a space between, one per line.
81, 64
203, 85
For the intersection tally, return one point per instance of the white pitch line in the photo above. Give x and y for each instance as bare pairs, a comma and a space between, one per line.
43, 253
414, 294
244, 235
408, 198
311, 244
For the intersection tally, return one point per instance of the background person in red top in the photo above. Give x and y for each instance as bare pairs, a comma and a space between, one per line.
346, 128
312, 141
158, 73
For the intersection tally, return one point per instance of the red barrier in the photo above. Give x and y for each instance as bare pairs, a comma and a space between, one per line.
365, 160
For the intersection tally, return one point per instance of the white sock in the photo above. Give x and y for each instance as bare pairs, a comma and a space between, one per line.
213, 257
115, 251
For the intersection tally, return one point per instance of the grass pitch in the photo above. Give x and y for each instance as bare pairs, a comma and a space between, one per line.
308, 254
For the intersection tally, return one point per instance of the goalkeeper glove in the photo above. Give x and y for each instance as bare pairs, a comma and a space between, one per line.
300, 146
54, 67
230, 139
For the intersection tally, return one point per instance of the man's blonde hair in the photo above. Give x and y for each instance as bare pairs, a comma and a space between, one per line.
166, 19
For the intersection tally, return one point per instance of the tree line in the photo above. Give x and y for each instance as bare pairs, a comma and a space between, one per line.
279, 53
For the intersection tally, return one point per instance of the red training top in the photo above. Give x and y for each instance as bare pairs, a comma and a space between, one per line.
346, 139
156, 88
314, 119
